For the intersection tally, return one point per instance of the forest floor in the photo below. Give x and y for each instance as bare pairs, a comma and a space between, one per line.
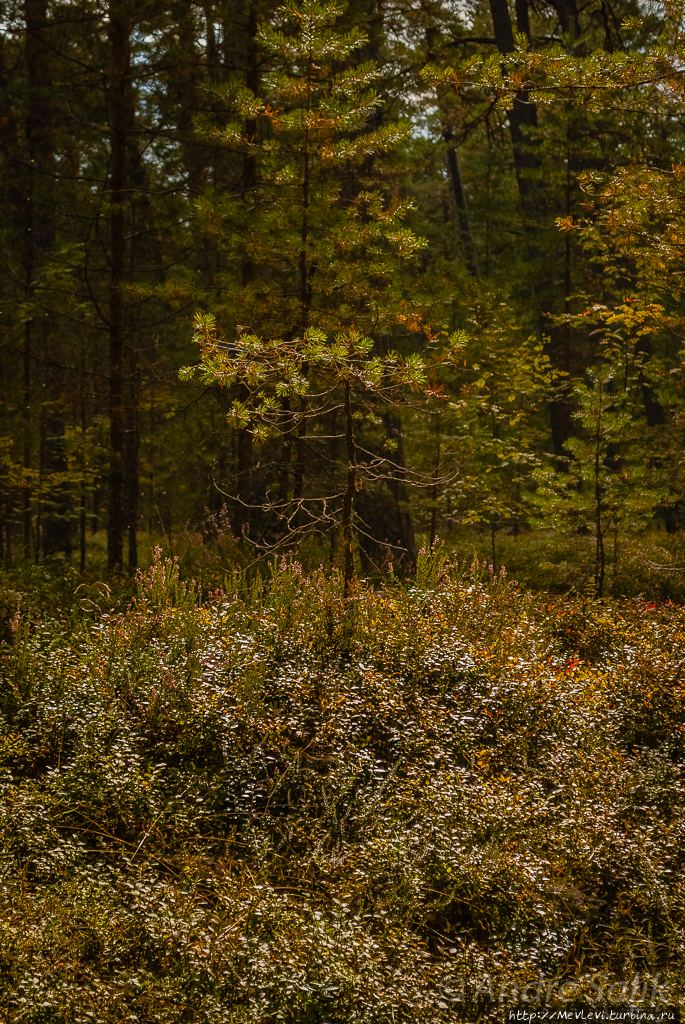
424, 804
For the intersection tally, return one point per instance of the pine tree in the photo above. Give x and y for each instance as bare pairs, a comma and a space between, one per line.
326, 261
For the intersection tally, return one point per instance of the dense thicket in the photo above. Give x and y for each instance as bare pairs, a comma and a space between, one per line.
440, 244
279, 805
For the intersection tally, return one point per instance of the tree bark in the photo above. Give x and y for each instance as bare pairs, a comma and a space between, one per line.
184, 88
37, 127
305, 305
454, 172
522, 19
460, 201
599, 550
523, 119
567, 12
130, 454
523, 114
398, 487
119, 102
348, 500
27, 354
434, 490
243, 518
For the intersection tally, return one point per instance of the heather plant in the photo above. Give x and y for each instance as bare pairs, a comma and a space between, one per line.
280, 804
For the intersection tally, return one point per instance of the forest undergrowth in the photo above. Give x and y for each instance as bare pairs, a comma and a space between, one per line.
270, 804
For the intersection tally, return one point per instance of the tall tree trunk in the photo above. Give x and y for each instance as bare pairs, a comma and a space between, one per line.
27, 418
333, 461
130, 455
119, 102
305, 304
139, 221
398, 486
243, 518
523, 119
348, 499
37, 119
184, 88
522, 19
454, 172
84, 494
599, 549
285, 456
42, 360
434, 489
523, 115
567, 12
460, 201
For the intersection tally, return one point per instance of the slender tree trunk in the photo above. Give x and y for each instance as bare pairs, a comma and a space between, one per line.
286, 453
523, 116
184, 89
243, 517
130, 455
522, 122
460, 200
42, 359
119, 91
136, 184
561, 420
454, 172
434, 491
28, 426
599, 557
348, 500
82, 512
333, 457
599, 551
305, 304
35, 16
398, 487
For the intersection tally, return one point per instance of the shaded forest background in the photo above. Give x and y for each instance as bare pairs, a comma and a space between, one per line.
491, 196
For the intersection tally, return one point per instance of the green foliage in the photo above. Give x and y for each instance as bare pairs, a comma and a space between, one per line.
277, 805
610, 477
273, 370
320, 240
493, 426
341, 185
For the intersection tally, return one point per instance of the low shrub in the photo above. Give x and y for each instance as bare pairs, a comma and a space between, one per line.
277, 805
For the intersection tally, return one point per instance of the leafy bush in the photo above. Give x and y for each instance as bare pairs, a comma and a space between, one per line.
643, 562
279, 805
